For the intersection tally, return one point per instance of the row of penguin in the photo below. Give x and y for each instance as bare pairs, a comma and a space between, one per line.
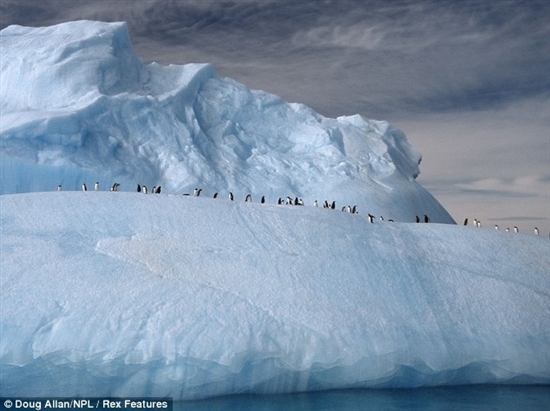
289, 201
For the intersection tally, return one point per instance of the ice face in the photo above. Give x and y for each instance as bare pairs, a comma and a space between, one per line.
78, 106
126, 294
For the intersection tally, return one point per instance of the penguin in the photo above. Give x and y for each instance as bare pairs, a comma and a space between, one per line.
417, 219
354, 210
371, 218
478, 224
158, 190
115, 187
230, 196
466, 221
59, 187
344, 208
348, 209
154, 190
215, 195
516, 230
139, 188
96, 186
248, 198
144, 189
507, 229
280, 201
84, 188
288, 201
333, 206
262, 201
496, 227
315, 204
197, 192
325, 204
381, 218
536, 231
426, 218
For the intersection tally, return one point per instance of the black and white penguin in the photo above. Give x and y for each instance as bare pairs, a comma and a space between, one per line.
466, 221
417, 219
354, 210
230, 196
344, 208
516, 229
158, 190
300, 202
84, 188
154, 190
426, 218
315, 204
288, 201
496, 227
248, 198
507, 229
115, 187
478, 224
348, 209
381, 218
371, 218
536, 231
325, 204
138, 188
144, 189
215, 195
333, 206
96, 186
280, 201
197, 192
262, 201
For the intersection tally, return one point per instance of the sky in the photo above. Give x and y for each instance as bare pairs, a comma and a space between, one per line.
467, 81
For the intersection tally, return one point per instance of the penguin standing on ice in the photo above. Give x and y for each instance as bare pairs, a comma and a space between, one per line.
96, 186
262, 201
115, 187
197, 192
84, 188
516, 230
536, 231
138, 188
144, 189
157, 191
496, 227
248, 198
315, 204
333, 206
371, 218
280, 201
354, 210
59, 187
417, 219
215, 195
466, 221
426, 218
230, 196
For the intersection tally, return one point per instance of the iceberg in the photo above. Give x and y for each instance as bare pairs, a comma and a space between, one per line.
79, 106
125, 294
122, 294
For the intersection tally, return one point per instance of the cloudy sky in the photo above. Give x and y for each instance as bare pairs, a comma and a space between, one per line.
467, 81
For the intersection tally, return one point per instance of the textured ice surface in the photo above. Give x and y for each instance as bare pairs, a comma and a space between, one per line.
78, 106
125, 294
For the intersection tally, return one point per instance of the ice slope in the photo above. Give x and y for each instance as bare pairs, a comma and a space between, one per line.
78, 106
125, 294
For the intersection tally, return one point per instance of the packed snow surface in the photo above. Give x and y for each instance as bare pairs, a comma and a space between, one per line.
126, 294
78, 106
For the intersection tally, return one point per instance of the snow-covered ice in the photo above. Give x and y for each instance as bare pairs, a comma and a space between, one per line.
126, 294
79, 106
129, 294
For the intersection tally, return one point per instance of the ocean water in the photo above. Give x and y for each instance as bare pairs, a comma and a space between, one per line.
462, 398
